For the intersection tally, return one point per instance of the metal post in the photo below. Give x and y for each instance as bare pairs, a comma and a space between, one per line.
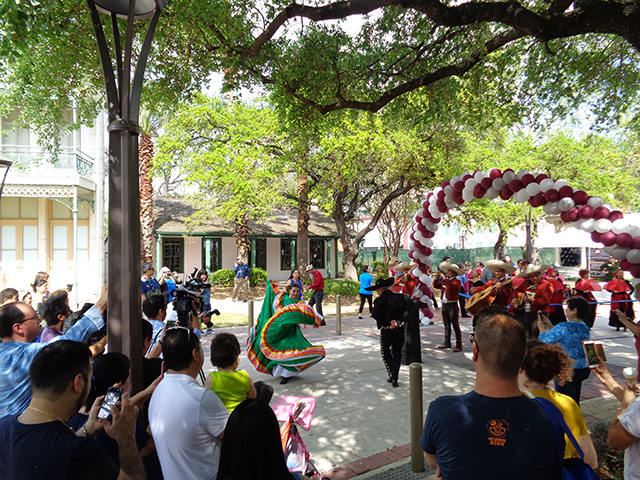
250, 315
415, 407
338, 315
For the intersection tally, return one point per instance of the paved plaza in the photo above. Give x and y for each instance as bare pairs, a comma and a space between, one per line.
361, 424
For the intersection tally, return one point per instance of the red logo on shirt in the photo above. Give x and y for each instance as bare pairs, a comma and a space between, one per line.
498, 430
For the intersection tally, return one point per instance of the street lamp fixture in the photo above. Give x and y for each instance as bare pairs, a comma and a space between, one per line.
123, 101
4, 170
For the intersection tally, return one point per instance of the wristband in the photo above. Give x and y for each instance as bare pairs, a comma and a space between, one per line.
86, 433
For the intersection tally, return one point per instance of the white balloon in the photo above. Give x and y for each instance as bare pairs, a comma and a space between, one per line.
432, 227
610, 249
448, 190
578, 223
418, 236
619, 226
470, 184
423, 277
416, 272
478, 176
533, 189
560, 183
455, 179
521, 174
522, 196
634, 231
609, 207
427, 242
546, 184
589, 225
425, 222
450, 203
603, 225
634, 281
508, 177
498, 183
566, 203
595, 202
554, 208
467, 196
619, 253
547, 207
427, 261
633, 255
492, 193
437, 190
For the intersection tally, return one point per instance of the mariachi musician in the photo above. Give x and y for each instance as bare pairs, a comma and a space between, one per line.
497, 291
531, 297
450, 288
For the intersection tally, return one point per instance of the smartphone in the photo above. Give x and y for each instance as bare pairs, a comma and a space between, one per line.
592, 351
171, 323
112, 397
69, 287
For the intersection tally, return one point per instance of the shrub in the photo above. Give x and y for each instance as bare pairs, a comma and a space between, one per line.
257, 276
222, 277
380, 270
610, 462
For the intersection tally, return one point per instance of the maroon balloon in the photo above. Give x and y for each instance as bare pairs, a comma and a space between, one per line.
601, 212
616, 215
507, 170
467, 177
580, 197
478, 191
411, 255
495, 173
527, 179
532, 202
441, 195
585, 212
625, 265
505, 193
412, 236
541, 176
635, 270
552, 195
540, 199
446, 183
458, 186
441, 206
565, 191
459, 200
564, 217
595, 236
608, 238
422, 267
486, 182
428, 234
572, 214
421, 228
515, 185
636, 243
428, 251
624, 240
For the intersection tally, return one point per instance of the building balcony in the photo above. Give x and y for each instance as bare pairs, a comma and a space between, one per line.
68, 161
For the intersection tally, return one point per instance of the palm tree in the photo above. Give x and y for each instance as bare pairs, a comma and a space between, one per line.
150, 123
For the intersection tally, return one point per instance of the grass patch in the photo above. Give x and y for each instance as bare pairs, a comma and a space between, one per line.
229, 320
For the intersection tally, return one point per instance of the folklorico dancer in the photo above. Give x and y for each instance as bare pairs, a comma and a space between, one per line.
584, 288
620, 290
450, 291
532, 296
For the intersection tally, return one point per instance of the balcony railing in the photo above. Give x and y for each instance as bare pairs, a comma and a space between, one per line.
29, 157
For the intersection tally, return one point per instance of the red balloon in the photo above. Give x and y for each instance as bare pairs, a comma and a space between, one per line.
608, 238
446, 183
441, 206
532, 202
458, 186
478, 191
422, 267
429, 234
421, 228
515, 185
411, 255
615, 215
580, 197
565, 191
527, 179
540, 199
441, 195
572, 214
625, 265
552, 195
564, 216
624, 240
635, 270
455, 194
507, 170
495, 173
412, 236
425, 204
636, 243
428, 251
459, 200
541, 176
585, 212
505, 193
601, 212
595, 236
466, 177
486, 182
417, 218
436, 220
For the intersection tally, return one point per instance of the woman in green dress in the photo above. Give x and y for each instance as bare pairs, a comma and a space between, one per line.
276, 345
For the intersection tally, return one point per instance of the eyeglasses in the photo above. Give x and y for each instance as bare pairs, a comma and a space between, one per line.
36, 318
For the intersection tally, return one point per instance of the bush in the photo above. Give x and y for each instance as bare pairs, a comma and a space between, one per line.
337, 287
257, 276
380, 270
222, 277
610, 462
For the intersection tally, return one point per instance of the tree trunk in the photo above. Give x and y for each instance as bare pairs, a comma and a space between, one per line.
243, 242
498, 249
145, 158
302, 243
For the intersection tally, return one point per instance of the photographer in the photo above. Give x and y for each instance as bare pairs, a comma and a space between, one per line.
167, 282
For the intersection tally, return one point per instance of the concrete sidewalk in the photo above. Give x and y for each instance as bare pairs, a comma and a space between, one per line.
361, 424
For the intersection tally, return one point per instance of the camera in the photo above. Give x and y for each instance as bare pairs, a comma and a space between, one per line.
187, 298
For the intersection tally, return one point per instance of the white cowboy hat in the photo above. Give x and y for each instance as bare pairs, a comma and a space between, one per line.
444, 266
491, 265
309, 267
401, 267
532, 269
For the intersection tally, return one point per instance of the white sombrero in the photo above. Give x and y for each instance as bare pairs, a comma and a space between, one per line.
444, 266
491, 265
401, 267
532, 269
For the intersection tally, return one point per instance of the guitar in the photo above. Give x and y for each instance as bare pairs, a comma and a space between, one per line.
481, 300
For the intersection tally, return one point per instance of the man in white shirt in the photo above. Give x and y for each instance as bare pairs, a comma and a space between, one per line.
187, 421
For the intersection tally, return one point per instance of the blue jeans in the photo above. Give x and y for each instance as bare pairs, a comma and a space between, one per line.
316, 298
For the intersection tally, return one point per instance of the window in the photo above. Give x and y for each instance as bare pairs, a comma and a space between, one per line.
8, 238
212, 253
286, 254
260, 255
30, 244
316, 253
60, 242
172, 249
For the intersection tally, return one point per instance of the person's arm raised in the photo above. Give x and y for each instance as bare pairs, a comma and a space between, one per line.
121, 429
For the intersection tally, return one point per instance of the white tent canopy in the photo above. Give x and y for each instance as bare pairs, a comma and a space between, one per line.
571, 237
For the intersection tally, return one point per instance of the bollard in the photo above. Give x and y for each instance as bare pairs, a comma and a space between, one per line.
250, 315
338, 315
415, 409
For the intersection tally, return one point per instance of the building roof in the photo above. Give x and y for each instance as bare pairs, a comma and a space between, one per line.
170, 215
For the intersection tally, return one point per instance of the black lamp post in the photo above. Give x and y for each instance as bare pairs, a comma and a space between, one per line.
4, 170
123, 99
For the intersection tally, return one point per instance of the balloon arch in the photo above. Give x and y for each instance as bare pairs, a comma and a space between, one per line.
589, 213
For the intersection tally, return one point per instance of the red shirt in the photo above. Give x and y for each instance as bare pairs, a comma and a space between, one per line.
450, 288
503, 297
543, 292
318, 281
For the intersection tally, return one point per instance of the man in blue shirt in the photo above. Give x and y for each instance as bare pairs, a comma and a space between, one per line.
19, 327
148, 285
493, 432
241, 280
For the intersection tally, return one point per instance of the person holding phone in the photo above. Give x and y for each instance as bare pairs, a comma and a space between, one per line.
569, 335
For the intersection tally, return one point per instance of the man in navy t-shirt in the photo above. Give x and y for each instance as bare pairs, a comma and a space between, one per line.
494, 432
